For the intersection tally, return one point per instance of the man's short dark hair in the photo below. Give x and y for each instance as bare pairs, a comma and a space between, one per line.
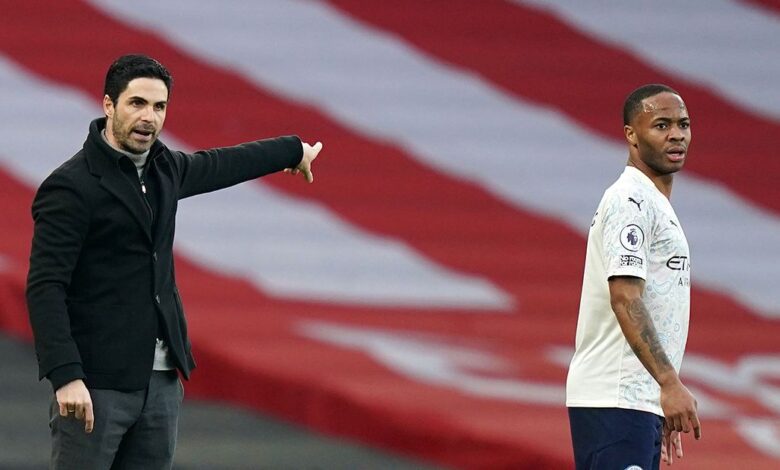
132, 66
633, 103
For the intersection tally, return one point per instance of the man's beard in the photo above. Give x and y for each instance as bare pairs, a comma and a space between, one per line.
123, 138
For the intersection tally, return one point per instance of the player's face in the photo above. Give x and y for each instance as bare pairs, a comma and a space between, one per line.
661, 133
136, 119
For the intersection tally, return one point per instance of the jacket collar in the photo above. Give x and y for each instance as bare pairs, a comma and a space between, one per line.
101, 157
104, 162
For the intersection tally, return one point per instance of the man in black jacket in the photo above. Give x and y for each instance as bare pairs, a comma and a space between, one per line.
108, 322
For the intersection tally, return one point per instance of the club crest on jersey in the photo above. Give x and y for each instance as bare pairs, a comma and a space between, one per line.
632, 237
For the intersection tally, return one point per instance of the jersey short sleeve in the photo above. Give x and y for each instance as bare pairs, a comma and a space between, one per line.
625, 230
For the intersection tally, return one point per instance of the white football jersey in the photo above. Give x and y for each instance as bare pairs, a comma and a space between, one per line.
634, 232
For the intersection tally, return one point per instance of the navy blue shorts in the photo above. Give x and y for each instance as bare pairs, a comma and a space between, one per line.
615, 439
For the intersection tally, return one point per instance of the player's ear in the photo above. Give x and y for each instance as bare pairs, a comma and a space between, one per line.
628, 131
108, 106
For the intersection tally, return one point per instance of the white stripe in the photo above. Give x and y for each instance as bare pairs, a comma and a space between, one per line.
434, 361
289, 248
725, 45
531, 156
300, 250
762, 433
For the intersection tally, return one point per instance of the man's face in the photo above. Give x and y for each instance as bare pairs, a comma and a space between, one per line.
661, 132
136, 119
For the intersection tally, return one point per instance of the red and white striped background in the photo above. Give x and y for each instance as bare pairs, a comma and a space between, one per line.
422, 294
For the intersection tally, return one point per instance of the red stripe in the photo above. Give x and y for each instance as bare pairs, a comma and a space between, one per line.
772, 6
537, 57
264, 364
15, 199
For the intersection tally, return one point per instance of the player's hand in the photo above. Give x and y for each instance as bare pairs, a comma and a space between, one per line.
309, 154
680, 409
671, 446
74, 399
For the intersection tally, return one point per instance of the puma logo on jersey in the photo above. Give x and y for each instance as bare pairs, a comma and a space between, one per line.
638, 204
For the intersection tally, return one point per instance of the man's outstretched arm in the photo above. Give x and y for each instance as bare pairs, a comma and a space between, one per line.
218, 168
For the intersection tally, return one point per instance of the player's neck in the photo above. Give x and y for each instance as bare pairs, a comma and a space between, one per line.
664, 184
661, 181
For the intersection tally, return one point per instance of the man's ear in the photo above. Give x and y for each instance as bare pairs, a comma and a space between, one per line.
108, 106
630, 135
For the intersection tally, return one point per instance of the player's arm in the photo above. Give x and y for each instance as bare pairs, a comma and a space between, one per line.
626, 298
678, 404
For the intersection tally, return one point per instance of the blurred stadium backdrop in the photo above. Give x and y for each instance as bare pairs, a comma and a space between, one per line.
421, 296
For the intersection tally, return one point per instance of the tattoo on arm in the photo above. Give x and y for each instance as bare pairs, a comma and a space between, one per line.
648, 337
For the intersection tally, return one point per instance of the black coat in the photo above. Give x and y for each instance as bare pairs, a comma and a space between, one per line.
101, 286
